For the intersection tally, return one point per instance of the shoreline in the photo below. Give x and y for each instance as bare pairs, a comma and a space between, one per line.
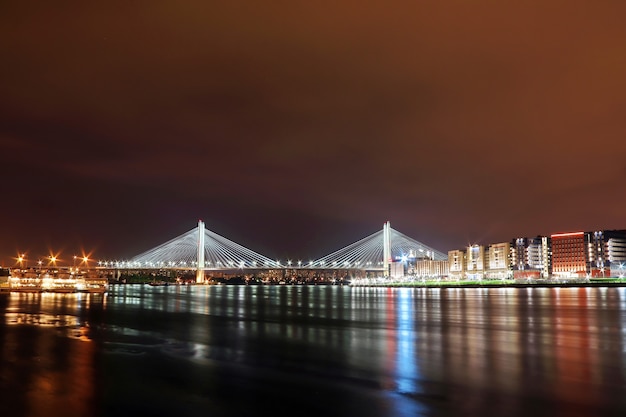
455, 285
431, 285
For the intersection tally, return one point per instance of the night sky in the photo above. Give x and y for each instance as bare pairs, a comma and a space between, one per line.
296, 128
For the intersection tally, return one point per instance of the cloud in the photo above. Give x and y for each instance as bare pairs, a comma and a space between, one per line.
449, 115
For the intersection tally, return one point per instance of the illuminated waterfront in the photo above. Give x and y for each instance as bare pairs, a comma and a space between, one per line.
314, 350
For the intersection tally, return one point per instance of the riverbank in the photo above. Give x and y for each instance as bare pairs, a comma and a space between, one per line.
595, 282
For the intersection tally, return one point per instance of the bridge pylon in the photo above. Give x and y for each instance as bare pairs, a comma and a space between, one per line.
200, 258
386, 248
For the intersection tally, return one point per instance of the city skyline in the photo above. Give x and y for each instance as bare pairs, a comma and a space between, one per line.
81, 257
301, 129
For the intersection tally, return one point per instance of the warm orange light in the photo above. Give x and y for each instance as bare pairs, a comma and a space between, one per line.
86, 257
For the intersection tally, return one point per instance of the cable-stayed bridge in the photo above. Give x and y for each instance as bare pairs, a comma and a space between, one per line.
203, 250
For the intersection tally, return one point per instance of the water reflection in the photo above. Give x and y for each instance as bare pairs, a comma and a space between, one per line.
315, 350
48, 353
540, 351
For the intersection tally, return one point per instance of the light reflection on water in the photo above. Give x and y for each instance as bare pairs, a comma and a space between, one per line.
366, 351
47, 354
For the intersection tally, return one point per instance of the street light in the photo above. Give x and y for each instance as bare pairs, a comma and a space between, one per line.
83, 262
20, 259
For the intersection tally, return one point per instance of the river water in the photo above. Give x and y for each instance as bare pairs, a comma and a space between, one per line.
314, 351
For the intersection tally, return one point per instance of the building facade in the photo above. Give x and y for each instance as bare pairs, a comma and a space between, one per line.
476, 262
456, 265
606, 252
431, 268
561, 255
569, 255
498, 257
589, 254
530, 257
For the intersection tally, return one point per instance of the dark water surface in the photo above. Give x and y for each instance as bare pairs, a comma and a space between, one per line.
314, 351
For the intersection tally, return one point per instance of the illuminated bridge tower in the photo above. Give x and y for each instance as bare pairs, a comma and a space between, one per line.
386, 248
200, 267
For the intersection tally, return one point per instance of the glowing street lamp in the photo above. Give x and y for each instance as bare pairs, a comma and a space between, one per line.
84, 262
21, 259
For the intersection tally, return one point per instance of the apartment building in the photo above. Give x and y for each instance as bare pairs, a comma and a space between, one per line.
456, 265
530, 257
498, 257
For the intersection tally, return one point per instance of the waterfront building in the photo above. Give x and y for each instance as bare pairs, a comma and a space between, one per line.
431, 268
456, 264
418, 264
530, 257
606, 252
599, 253
397, 269
475, 256
546, 257
569, 255
618, 270
498, 263
478, 262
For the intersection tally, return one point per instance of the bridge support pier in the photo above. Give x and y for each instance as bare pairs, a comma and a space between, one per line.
200, 257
